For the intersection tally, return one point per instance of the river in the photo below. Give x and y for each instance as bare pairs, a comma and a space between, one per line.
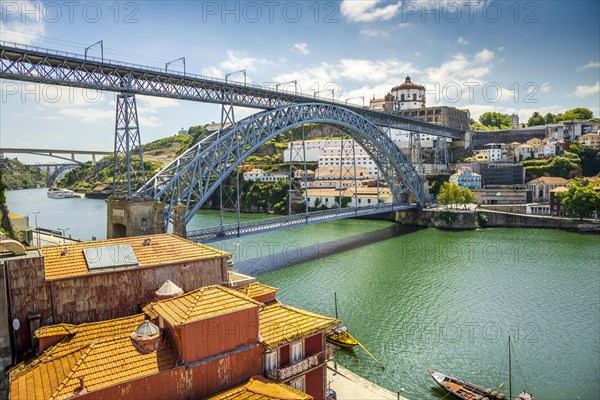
421, 298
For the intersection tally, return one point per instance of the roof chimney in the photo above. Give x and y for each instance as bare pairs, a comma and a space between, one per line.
147, 337
64, 251
146, 242
81, 388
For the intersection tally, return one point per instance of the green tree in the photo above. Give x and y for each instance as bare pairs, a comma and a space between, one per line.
590, 158
466, 196
549, 118
495, 120
575, 113
452, 194
581, 200
536, 119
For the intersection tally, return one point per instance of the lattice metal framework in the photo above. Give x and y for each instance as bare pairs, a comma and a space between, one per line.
197, 173
440, 155
127, 178
34, 64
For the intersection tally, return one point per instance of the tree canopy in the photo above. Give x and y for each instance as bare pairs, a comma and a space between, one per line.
581, 200
537, 119
451, 193
495, 120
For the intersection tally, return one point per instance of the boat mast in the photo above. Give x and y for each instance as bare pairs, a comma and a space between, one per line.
509, 371
335, 299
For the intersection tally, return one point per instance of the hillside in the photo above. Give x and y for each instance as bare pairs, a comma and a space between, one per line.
15, 174
156, 155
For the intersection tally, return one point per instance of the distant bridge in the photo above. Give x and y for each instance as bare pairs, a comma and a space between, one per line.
55, 153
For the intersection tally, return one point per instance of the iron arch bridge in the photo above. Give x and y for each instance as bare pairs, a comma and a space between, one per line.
192, 177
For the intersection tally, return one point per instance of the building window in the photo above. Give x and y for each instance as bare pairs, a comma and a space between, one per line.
297, 352
271, 361
298, 383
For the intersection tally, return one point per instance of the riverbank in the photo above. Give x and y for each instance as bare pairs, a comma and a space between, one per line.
455, 219
350, 386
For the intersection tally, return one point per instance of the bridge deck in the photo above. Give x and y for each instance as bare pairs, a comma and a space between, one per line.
225, 232
35, 64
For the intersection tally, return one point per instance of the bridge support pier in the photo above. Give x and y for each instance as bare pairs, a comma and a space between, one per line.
134, 216
179, 228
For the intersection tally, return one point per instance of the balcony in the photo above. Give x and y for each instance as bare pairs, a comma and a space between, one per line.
285, 373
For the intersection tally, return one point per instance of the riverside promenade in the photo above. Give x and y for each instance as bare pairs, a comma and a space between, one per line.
349, 386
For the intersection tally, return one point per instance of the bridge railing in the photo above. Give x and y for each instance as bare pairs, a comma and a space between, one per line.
107, 61
296, 219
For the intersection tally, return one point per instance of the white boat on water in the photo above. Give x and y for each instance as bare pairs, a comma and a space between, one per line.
56, 193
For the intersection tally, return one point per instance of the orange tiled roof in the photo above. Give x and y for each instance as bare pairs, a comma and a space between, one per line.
163, 249
279, 324
258, 390
101, 352
256, 289
203, 303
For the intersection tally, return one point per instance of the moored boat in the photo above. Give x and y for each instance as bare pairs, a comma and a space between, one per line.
341, 337
57, 193
468, 391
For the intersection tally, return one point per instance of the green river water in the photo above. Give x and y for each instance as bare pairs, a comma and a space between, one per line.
423, 298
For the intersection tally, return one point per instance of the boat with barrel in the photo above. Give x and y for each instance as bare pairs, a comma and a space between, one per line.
468, 391
340, 335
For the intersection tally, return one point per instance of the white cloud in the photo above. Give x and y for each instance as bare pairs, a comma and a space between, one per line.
462, 40
587, 90
501, 48
484, 55
14, 29
88, 115
371, 33
151, 105
301, 48
590, 65
545, 88
369, 10
462, 69
238, 60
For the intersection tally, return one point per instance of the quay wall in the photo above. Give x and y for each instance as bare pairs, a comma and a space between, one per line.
468, 220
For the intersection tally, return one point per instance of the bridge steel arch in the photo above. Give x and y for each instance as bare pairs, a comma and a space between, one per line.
196, 174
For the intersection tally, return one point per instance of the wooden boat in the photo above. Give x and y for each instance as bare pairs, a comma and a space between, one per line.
340, 335
468, 391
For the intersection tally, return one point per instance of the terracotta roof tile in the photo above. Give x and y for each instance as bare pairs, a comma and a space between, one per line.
279, 324
101, 352
257, 289
163, 249
258, 390
203, 303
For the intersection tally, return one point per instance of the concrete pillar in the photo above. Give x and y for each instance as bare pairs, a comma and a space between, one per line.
179, 221
133, 217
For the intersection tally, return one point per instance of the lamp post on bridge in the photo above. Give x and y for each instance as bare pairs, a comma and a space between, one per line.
295, 82
178, 59
357, 97
101, 43
242, 71
326, 90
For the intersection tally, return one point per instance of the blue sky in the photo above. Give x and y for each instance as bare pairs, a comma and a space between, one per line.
482, 55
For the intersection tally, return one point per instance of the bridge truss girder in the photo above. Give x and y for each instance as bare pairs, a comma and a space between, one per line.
50, 67
196, 174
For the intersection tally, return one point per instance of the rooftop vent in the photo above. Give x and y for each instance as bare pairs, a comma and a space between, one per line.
168, 290
64, 251
81, 388
147, 337
146, 242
